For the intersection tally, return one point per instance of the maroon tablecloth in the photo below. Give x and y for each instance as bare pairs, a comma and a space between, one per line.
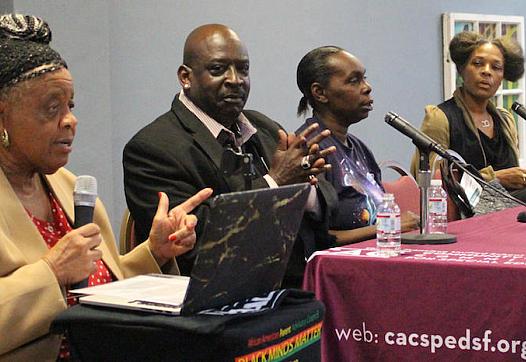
462, 301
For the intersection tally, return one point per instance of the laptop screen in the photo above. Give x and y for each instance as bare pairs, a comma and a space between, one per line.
245, 246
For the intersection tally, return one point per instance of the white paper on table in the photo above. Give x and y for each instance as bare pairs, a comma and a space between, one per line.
154, 288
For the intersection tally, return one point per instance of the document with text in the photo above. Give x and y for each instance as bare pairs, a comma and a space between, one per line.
158, 293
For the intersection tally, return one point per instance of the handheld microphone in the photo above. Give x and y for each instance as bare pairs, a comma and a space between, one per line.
420, 139
519, 109
84, 196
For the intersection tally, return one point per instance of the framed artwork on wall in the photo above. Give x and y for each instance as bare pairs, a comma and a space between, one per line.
491, 26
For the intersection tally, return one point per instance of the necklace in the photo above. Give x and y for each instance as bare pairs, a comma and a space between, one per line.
485, 123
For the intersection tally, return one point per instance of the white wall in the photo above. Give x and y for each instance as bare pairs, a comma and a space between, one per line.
124, 55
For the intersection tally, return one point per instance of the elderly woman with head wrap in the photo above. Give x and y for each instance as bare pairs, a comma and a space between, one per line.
41, 256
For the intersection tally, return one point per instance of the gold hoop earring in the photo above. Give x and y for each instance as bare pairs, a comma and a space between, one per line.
4, 138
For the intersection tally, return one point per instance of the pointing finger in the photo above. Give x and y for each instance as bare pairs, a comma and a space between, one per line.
194, 201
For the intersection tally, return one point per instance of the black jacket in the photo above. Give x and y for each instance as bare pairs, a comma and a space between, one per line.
178, 155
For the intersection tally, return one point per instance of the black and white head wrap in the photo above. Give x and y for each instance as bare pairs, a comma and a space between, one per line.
24, 49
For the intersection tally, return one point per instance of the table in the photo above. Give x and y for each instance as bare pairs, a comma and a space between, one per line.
462, 301
289, 332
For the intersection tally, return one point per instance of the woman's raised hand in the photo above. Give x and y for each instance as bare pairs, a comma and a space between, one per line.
173, 232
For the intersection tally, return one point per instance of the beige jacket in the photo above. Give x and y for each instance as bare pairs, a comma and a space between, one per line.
436, 126
30, 297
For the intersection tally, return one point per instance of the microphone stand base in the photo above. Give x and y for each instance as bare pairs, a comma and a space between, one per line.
424, 239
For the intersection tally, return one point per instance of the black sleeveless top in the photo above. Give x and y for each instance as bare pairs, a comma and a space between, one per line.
499, 153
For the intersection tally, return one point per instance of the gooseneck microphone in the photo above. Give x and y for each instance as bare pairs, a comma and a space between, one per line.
519, 109
420, 139
427, 144
84, 196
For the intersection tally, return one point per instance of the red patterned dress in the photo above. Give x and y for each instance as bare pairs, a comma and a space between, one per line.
52, 232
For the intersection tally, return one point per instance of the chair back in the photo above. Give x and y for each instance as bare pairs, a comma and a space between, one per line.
127, 239
405, 189
407, 192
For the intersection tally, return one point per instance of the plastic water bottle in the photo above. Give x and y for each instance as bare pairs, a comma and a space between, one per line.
388, 227
437, 208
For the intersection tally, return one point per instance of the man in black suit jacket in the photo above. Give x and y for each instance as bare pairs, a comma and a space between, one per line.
181, 151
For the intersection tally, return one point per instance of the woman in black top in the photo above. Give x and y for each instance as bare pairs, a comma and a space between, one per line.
469, 123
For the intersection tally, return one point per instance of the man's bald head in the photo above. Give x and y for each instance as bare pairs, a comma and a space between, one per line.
200, 36
215, 72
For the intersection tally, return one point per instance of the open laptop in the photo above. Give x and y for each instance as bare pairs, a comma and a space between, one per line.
245, 248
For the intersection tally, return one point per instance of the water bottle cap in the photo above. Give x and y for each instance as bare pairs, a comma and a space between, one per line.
436, 182
388, 196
